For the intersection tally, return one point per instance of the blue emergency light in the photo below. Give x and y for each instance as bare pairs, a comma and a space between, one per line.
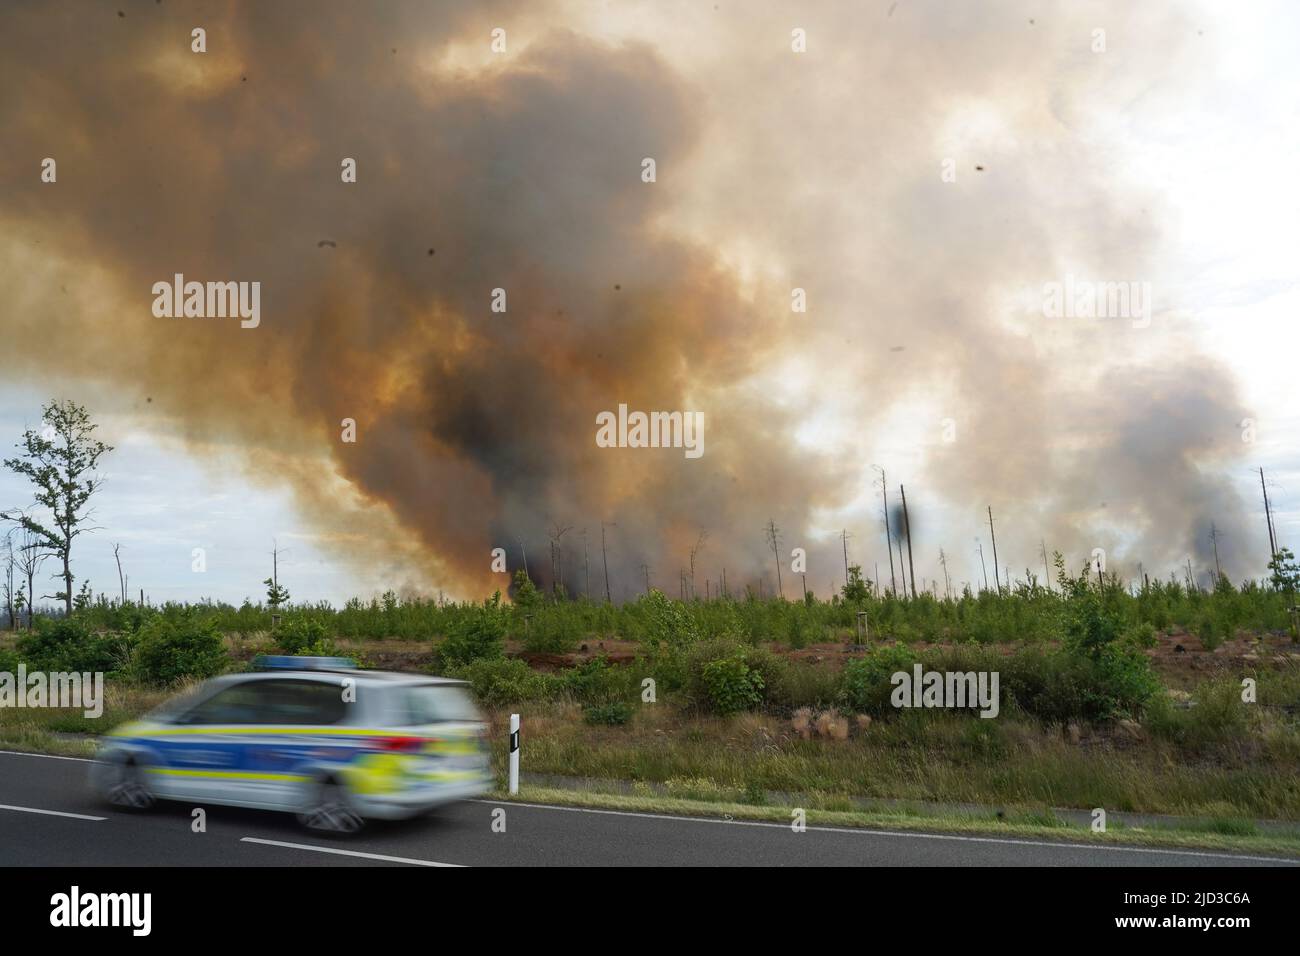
286, 662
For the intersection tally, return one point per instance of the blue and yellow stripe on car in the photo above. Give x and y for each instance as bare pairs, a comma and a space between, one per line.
228, 775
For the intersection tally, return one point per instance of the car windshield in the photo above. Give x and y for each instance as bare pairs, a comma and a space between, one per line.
431, 703
170, 709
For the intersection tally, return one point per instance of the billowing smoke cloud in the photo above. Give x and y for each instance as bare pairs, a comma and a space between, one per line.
522, 171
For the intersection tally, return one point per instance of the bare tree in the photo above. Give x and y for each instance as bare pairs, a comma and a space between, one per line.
995, 552
907, 529
604, 556
30, 554
773, 534
1214, 539
275, 595
557, 557
884, 505
10, 570
586, 567
694, 552
121, 581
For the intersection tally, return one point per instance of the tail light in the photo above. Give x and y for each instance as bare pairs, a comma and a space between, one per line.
406, 745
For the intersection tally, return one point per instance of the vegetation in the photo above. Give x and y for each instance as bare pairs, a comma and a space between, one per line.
703, 697
1028, 613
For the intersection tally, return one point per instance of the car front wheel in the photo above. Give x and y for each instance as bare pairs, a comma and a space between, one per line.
128, 790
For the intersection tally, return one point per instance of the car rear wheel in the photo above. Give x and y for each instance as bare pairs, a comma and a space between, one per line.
128, 790
329, 810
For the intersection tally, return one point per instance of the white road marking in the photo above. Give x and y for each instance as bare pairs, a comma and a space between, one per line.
330, 849
746, 823
23, 753
52, 813
864, 831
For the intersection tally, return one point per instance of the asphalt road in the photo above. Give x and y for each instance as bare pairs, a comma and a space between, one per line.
49, 817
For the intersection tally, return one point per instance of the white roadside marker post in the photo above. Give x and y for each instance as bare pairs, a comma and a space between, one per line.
514, 753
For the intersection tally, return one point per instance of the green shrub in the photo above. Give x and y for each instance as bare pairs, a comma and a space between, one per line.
732, 685
1142, 635
1208, 631
477, 634
500, 681
68, 644
297, 634
1089, 623
1058, 686
552, 630
176, 650
867, 679
611, 714
667, 622
596, 682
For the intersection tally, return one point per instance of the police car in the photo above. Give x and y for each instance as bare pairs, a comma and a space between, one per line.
314, 736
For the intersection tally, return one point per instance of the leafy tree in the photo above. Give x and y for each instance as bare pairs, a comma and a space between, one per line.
1286, 577
855, 591
276, 594
60, 461
479, 633
83, 598
1286, 572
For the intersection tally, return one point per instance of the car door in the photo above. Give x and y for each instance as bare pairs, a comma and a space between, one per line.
301, 727
203, 750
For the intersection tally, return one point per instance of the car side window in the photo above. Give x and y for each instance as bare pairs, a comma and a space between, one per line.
272, 702
234, 705
303, 702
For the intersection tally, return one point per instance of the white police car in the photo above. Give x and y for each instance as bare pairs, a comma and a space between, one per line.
314, 736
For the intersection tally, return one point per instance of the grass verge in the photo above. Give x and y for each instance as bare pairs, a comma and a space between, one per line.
1025, 826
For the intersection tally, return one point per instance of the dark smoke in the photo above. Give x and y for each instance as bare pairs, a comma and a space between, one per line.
476, 429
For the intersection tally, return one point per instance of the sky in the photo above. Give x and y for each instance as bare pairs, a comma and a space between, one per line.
923, 172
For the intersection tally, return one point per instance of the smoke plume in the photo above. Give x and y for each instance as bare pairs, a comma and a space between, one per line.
522, 171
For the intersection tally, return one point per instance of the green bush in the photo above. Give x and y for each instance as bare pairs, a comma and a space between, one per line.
477, 634
611, 714
500, 681
69, 644
732, 685
1209, 631
552, 630
667, 622
1057, 686
297, 634
867, 680
1142, 635
1089, 623
596, 682
176, 650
